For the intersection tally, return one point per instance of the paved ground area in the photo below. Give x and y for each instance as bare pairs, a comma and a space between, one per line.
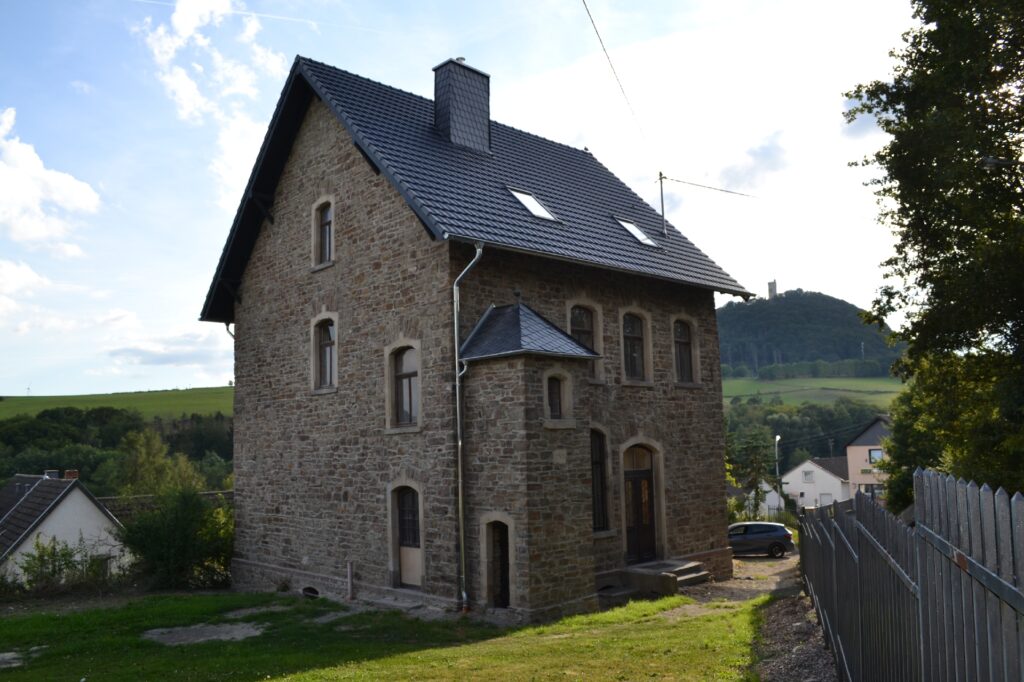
791, 646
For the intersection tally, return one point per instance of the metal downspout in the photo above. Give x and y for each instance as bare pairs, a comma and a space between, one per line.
460, 369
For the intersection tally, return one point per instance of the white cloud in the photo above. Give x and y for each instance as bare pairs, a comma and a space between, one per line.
81, 87
250, 27
271, 63
238, 142
233, 77
184, 92
189, 16
18, 278
36, 202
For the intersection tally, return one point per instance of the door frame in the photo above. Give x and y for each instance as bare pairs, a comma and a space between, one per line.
658, 490
485, 558
394, 551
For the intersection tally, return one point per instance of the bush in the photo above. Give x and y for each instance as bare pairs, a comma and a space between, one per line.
185, 541
55, 566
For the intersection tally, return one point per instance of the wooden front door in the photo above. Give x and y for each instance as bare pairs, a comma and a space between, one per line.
638, 477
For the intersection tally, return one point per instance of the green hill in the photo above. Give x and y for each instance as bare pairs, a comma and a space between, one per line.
801, 327
171, 403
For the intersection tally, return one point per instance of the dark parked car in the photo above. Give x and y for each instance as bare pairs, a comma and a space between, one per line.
760, 537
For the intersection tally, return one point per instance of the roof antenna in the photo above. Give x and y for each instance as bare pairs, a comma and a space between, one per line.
661, 186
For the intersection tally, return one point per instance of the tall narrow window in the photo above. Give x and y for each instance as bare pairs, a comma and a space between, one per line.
581, 325
325, 234
326, 347
408, 518
554, 398
684, 351
597, 478
633, 346
406, 372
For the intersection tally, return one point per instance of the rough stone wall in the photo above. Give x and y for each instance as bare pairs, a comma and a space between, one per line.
312, 470
682, 423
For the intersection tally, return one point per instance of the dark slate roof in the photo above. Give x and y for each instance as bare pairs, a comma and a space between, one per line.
519, 330
463, 194
27, 501
873, 434
837, 466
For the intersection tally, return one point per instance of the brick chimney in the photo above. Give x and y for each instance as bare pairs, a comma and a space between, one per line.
70, 474
462, 105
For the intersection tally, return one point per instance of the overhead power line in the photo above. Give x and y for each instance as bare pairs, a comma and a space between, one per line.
612, 67
717, 189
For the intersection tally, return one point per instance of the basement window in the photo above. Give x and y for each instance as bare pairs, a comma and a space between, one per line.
637, 232
531, 204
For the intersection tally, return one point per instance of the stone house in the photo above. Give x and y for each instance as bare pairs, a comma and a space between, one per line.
472, 367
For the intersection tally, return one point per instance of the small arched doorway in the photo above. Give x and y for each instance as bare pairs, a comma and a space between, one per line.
410, 549
498, 592
638, 488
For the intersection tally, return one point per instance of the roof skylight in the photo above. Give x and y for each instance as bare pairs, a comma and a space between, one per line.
531, 204
637, 232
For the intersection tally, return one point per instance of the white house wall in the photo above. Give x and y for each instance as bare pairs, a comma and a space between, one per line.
75, 518
824, 482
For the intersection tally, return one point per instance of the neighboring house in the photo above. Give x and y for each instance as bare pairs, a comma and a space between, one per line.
771, 501
47, 507
574, 427
863, 453
818, 482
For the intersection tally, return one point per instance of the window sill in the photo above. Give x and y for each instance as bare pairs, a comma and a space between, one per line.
559, 423
325, 390
596, 382
634, 383
688, 384
604, 534
395, 430
321, 266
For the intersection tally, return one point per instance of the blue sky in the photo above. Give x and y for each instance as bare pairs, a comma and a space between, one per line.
128, 129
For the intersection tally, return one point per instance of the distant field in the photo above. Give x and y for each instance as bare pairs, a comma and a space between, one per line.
149, 403
877, 391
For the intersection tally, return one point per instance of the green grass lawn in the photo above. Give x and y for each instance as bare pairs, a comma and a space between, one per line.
878, 391
638, 641
172, 403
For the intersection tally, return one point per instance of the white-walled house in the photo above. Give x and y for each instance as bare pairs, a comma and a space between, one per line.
770, 503
818, 482
47, 507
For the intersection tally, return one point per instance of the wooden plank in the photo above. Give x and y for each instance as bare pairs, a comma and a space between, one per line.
947, 666
923, 549
991, 561
956, 582
1004, 547
980, 611
1017, 521
967, 593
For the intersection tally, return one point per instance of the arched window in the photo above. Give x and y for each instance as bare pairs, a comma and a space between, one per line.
324, 233
633, 346
599, 486
581, 325
554, 398
408, 518
326, 353
406, 374
682, 338
581, 328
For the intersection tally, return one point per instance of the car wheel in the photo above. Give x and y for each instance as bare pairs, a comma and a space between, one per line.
776, 551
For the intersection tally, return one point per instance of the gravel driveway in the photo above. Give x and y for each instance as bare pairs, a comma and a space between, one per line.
791, 647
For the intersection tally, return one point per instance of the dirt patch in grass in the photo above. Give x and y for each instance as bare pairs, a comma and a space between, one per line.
252, 611
194, 634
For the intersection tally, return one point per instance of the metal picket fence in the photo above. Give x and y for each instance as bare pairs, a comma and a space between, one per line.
942, 599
